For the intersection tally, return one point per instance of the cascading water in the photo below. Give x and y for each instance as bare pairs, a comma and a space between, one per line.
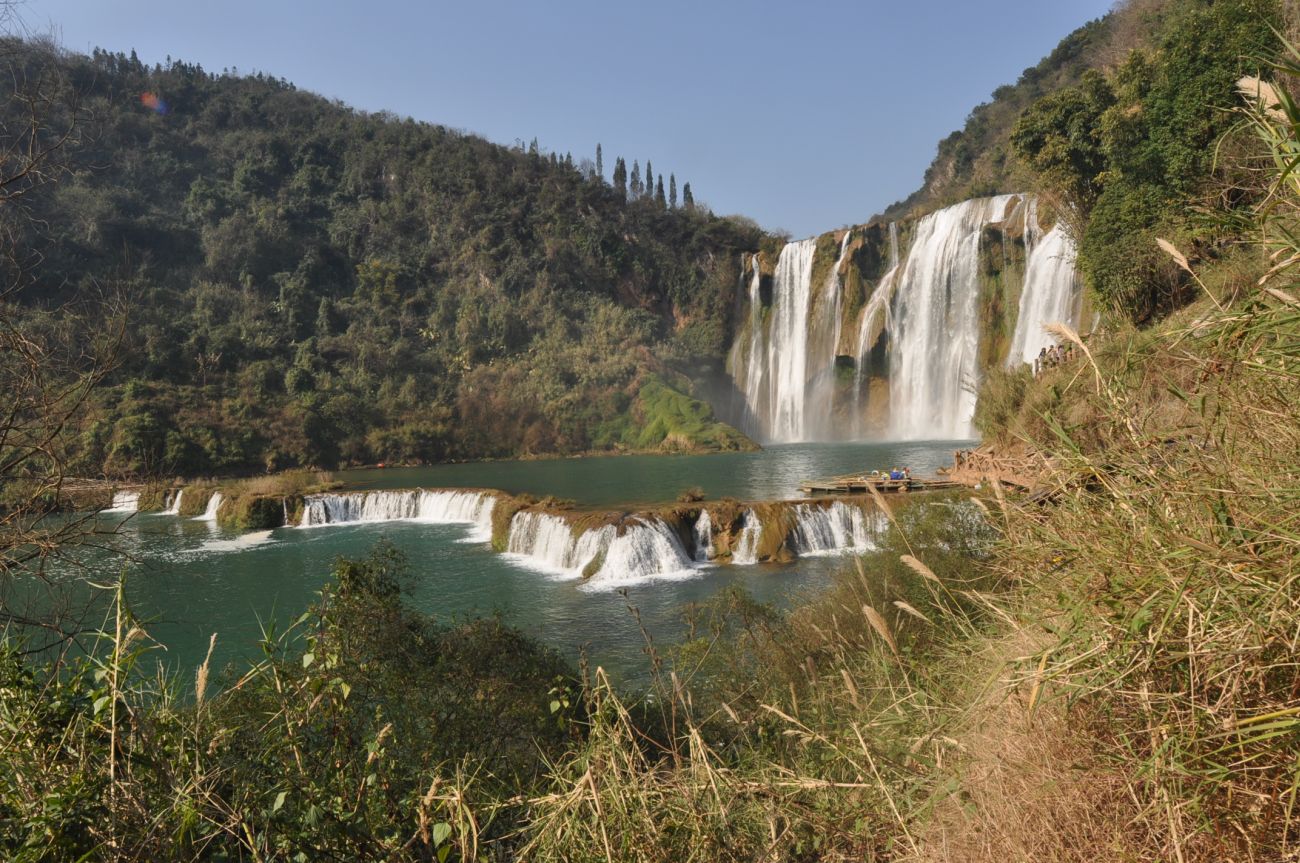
1051, 291
124, 501
473, 508
647, 549
874, 321
787, 347
703, 537
935, 329
751, 531
747, 354
214, 504
174, 508
836, 529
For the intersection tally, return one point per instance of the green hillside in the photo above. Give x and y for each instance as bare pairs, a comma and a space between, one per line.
306, 284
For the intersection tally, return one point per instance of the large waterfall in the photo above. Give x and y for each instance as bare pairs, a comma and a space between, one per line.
647, 549
934, 342
910, 325
1051, 291
452, 506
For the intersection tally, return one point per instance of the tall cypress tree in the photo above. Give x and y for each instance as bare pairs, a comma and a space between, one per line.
649, 179
620, 177
672, 191
600, 165
688, 200
659, 192
636, 179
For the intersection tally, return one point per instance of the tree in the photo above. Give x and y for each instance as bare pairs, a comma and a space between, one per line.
672, 191
636, 179
620, 177
659, 192
649, 179
600, 165
688, 200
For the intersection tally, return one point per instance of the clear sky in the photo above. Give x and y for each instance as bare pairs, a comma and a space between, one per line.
803, 116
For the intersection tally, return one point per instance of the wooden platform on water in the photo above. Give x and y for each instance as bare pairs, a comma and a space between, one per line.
862, 483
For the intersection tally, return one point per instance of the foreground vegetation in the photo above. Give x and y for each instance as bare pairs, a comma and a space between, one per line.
1104, 670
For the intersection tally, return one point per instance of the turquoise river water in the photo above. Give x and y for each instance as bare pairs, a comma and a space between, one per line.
188, 579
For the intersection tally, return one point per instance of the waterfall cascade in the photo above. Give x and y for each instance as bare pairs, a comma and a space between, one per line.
1052, 289
647, 549
911, 326
214, 504
124, 501
746, 549
934, 340
836, 529
452, 506
174, 506
703, 537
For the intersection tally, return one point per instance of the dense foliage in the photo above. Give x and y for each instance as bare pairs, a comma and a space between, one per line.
311, 285
1130, 150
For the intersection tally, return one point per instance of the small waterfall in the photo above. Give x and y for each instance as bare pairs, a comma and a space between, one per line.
174, 507
647, 549
450, 506
751, 531
836, 529
824, 327
874, 321
214, 504
124, 501
934, 333
703, 537
1051, 290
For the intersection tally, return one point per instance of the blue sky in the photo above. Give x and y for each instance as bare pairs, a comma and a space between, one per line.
804, 117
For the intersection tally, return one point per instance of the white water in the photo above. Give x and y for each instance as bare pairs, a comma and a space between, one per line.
874, 320
124, 501
934, 328
755, 370
751, 531
703, 537
1051, 290
472, 508
174, 508
835, 529
647, 550
214, 504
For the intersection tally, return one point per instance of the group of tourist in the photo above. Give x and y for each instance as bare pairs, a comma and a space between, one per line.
893, 473
1051, 357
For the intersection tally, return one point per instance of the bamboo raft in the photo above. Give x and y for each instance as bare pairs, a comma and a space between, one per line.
863, 483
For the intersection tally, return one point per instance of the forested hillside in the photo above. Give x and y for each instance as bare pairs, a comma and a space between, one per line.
306, 284
1124, 126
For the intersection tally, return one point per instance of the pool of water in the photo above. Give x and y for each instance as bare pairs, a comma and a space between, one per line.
189, 579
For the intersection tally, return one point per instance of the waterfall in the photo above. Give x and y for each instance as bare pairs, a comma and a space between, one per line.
835, 529
935, 328
174, 507
787, 348
874, 321
451, 506
214, 504
746, 355
703, 537
1051, 289
824, 327
647, 549
751, 531
124, 501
